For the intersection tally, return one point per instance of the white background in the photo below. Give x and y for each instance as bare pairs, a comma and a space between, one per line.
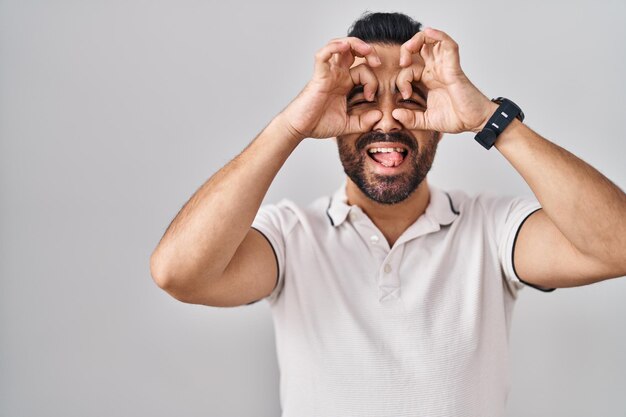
112, 113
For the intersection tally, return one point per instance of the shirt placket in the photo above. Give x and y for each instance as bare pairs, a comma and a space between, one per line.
389, 289
387, 259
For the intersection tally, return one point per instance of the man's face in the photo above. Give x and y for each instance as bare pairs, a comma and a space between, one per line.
389, 162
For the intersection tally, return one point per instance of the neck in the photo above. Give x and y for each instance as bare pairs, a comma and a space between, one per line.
391, 219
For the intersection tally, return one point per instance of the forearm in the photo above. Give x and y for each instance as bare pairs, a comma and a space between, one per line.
203, 237
588, 209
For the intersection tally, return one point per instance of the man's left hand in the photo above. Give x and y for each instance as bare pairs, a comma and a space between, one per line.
453, 104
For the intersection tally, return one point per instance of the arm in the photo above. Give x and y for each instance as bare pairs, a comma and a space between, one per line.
209, 254
203, 238
579, 236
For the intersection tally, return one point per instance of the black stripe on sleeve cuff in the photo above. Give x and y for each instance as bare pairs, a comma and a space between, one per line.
513, 256
275, 258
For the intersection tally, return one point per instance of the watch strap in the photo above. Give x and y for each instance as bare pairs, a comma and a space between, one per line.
501, 118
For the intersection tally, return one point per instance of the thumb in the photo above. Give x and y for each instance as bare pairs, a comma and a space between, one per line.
410, 119
363, 122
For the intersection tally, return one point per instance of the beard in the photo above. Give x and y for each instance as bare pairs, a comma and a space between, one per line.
388, 189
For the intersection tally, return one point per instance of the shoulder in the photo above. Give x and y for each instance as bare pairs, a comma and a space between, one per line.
489, 204
489, 214
288, 214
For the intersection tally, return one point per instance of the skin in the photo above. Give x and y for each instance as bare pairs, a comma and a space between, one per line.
210, 255
392, 220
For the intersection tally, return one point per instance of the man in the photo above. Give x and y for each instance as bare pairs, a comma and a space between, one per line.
392, 297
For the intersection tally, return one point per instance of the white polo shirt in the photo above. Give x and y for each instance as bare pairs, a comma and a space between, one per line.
420, 329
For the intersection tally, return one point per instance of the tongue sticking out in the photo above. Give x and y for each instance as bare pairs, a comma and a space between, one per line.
388, 159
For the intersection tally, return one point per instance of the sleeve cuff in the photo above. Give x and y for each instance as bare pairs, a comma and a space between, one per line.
510, 248
274, 294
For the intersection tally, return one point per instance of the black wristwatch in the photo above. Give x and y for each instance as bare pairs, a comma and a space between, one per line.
496, 124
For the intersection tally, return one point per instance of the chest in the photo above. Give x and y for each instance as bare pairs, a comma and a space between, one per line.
436, 282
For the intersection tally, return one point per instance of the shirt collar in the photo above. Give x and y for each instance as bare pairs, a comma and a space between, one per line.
440, 208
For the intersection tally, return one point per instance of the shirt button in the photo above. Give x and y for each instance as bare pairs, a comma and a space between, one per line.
387, 268
353, 216
374, 239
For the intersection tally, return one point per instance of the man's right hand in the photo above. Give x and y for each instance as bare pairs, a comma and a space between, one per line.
320, 110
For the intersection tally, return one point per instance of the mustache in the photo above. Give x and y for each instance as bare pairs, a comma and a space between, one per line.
376, 136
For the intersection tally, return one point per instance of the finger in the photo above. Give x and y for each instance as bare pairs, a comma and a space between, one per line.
440, 48
433, 36
437, 35
324, 55
345, 59
363, 122
406, 77
334, 47
410, 47
410, 119
403, 82
364, 50
427, 53
363, 75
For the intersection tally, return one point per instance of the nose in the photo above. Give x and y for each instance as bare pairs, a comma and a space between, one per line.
387, 123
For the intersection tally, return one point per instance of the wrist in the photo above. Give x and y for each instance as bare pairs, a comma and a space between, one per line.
293, 135
514, 130
506, 113
489, 109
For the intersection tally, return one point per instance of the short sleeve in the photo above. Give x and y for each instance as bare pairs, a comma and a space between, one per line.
270, 221
510, 213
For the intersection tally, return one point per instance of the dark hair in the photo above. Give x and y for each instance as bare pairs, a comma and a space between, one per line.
386, 28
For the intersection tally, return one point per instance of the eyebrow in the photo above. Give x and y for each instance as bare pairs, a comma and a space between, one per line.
358, 89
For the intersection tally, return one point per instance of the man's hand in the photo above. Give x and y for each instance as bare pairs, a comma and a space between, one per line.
453, 103
320, 110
